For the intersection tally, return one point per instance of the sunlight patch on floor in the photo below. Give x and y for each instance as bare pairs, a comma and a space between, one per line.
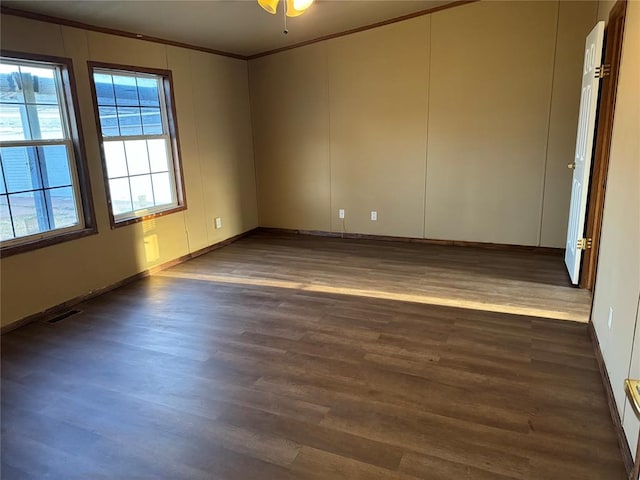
380, 294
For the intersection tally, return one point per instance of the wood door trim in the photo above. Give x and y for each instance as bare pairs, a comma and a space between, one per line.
613, 408
606, 111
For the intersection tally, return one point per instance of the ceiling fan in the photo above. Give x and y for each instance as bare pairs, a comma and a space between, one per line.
292, 8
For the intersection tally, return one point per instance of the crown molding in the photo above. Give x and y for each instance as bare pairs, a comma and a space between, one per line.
409, 16
137, 36
112, 31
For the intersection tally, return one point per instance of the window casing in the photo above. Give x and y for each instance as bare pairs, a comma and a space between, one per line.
44, 190
139, 143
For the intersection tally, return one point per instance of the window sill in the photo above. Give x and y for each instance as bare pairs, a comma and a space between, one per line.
10, 250
130, 221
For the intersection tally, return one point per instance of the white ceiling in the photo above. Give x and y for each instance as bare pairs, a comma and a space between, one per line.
235, 26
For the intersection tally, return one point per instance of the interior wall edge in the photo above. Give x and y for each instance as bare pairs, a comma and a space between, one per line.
546, 155
611, 401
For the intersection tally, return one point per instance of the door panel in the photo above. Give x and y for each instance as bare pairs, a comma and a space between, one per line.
584, 149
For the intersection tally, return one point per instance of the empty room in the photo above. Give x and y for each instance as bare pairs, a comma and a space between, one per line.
330, 239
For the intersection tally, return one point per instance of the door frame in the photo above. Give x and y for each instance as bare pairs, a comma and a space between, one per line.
613, 36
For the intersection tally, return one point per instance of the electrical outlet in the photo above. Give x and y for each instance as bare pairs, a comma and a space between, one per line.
341, 213
374, 216
610, 321
218, 222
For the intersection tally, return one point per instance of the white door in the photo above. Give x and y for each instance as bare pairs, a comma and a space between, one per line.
584, 149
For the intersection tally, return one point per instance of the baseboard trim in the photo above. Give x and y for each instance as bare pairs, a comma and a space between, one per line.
613, 408
429, 241
62, 307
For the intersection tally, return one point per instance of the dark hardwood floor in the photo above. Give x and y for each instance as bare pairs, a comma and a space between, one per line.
262, 361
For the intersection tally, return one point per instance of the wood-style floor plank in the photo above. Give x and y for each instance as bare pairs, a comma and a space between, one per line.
292, 357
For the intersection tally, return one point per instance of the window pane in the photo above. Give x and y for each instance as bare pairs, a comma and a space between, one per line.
148, 92
2, 187
126, 91
115, 158
10, 84
141, 192
55, 166
137, 159
109, 121
151, 122
129, 119
45, 121
6, 230
13, 122
63, 207
20, 165
29, 213
158, 155
44, 85
120, 195
162, 190
104, 89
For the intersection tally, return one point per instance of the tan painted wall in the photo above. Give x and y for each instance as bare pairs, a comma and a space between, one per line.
217, 156
469, 109
295, 144
378, 87
618, 278
488, 121
604, 7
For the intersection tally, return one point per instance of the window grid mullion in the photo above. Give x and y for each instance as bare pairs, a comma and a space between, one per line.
31, 190
135, 175
6, 189
37, 104
125, 138
47, 198
62, 104
126, 164
146, 143
36, 143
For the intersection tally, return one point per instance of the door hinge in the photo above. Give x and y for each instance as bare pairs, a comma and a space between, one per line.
603, 70
584, 243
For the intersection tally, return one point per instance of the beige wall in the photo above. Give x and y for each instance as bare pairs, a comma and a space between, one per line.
378, 86
213, 117
295, 144
456, 125
488, 121
604, 8
618, 278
